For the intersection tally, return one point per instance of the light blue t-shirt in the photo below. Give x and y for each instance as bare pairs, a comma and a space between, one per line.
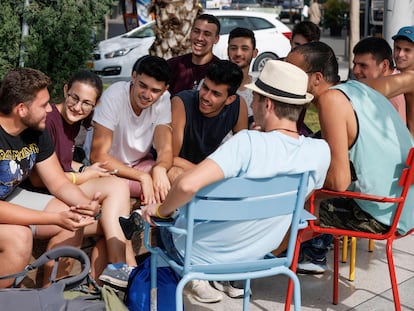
379, 152
256, 154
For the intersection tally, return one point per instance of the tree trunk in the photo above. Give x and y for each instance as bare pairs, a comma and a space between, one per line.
173, 22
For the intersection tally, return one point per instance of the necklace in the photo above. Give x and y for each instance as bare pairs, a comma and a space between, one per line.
283, 129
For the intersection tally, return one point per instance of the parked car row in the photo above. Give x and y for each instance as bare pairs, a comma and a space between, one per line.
114, 58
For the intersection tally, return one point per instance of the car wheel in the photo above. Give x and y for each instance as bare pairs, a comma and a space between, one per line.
261, 60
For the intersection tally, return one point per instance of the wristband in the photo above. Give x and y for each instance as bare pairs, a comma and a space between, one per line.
82, 168
157, 213
73, 177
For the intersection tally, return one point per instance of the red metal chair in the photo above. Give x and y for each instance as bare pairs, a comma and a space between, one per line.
405, 181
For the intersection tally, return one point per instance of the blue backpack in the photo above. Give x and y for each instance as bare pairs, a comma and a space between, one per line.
138, 293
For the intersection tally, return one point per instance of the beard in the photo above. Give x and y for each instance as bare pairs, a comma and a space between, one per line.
34, 123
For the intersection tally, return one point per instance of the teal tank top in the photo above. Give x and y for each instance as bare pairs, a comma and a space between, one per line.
379, 152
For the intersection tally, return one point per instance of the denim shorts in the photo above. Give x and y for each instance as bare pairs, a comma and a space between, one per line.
165, 242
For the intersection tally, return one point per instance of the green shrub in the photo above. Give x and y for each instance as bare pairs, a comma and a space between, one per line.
60, 40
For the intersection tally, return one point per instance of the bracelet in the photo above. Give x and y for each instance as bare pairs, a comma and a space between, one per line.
73, 177
82, 168
157, 213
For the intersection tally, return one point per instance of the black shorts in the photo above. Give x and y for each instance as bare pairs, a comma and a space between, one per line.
344, 213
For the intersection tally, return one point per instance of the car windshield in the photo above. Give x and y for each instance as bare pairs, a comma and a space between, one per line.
228, 23
144, 32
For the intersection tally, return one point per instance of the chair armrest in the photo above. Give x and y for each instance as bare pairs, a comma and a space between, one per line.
358, 195
163, 222
304, 217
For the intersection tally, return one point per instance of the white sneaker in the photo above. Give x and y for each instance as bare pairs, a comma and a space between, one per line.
202, 291
308, 267
228, 288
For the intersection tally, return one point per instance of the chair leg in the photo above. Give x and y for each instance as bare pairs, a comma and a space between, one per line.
246, 297
371, 245
344, 248
393, 278
352, 259
289, 293
154, 298
336, 270
179, 304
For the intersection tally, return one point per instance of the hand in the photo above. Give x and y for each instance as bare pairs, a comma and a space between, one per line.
148, 211
96, 170
147, 189
90, 209
73, 221
161, 183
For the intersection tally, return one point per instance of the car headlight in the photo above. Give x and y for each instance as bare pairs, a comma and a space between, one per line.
117, 53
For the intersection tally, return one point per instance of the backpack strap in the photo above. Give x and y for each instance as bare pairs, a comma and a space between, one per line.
54, 254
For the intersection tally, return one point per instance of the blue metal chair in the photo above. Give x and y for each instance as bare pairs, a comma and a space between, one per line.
238, 199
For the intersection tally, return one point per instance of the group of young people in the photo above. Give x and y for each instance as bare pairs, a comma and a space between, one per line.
166, 134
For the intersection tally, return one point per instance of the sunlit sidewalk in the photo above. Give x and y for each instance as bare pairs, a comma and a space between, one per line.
371, 289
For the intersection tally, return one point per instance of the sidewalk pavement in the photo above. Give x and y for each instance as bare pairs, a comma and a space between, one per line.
371, 289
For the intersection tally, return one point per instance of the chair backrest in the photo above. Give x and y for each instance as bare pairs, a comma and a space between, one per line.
405, 181
242, 199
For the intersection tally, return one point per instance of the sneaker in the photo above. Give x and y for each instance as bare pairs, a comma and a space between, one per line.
202, 291
230, 288
310, 267
132, 224
116, 274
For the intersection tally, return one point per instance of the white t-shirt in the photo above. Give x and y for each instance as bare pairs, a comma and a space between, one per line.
132, 134
256, 154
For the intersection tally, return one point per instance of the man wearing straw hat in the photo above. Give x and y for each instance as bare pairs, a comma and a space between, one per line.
279, 94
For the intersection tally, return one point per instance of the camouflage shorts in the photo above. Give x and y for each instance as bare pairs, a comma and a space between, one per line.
344, 213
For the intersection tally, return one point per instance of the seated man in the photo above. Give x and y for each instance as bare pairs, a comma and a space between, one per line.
133, 117
25, 144
367, 139
201, 119
279, 96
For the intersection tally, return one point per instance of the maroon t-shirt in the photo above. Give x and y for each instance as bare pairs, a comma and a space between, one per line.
186, 75
63, 136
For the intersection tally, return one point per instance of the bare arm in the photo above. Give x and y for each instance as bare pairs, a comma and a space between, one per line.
338, 127
178, 125
393, 85
101, 144
163, 146
184, 188
242, 121
58, 184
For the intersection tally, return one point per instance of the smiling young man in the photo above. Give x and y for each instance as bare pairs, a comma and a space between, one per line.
404, 61
25, 145
373, 59
133, 117
241, 50
189, 69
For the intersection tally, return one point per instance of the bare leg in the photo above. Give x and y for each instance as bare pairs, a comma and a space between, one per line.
15, 250
115, 202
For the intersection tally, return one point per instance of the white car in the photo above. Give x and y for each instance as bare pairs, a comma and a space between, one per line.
115, 57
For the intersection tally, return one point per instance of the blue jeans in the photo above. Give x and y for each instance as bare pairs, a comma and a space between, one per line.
165, 242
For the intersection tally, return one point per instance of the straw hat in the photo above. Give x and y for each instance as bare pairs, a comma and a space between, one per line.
283, 82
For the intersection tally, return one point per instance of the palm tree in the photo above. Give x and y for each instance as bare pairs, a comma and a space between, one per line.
173, 22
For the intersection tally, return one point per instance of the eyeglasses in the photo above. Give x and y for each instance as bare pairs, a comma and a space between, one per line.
74, 100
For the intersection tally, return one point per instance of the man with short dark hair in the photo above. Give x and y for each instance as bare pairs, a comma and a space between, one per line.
189, 69
367, 139
131, 118
241, 50
373, 59
24, 145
